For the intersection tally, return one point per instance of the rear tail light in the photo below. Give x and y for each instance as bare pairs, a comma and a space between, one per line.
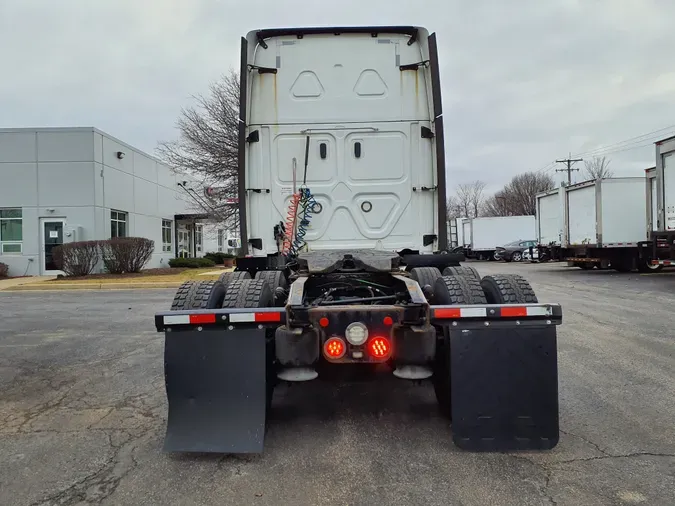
379, 347
334, 348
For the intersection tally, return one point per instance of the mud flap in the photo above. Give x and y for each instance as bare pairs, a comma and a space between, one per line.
216, 389
504, 388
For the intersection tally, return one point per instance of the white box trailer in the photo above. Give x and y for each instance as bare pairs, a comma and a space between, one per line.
550, 217
606, 213
662, 204
607, 223
486, 234
466, 232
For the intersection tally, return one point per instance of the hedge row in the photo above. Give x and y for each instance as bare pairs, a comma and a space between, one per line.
191, 263
4, 270
219, 257
120, 255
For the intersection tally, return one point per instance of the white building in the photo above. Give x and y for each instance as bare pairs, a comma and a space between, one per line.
78, 184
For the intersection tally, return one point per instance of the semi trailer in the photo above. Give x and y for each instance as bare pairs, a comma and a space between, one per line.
662, 205
342, 209
603, 223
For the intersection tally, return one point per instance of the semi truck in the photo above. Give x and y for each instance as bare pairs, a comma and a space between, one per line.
484, 235
342, 199
603, 223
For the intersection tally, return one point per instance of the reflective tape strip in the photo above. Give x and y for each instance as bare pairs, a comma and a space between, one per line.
268, 317
179, 319
466, 312
242, 317
539, 311
481, 312
202, 318
513, 311
473, 312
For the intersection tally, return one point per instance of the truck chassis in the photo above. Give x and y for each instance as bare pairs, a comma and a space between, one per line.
486, 345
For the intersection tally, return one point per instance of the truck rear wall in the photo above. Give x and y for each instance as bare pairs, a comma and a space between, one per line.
668, 164
488, 233
610, 213
372, 171
550, 217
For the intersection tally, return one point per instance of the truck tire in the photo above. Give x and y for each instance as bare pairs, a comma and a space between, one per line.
227, 277
276, 279
461, 270
647, 267
507, 289
199, 295
248, 293
451, 290
425, 276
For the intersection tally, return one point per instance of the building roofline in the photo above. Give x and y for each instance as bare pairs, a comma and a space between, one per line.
93, 130
665, 140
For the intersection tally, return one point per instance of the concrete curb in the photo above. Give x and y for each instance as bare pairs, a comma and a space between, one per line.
58, 287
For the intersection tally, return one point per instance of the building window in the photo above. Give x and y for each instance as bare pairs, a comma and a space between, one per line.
198, 239
11, 230
167, 234
221, 240
118, 224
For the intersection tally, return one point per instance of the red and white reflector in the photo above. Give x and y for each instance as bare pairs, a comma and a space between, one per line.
525, 311
455, 313
189, 319
255, 317
465, 312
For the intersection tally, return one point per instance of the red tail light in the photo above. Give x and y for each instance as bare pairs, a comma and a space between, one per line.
380, 347
334, 348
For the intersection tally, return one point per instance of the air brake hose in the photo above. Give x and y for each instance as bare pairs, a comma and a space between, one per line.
291, 217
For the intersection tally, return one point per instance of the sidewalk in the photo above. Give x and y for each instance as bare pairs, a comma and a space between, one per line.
15, 283
45, 283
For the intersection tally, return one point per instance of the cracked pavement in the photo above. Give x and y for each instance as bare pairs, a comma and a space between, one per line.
82, 413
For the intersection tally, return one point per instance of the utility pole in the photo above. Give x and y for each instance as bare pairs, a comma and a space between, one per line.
569, 161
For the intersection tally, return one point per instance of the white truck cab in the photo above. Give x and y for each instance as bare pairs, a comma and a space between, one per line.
353, 114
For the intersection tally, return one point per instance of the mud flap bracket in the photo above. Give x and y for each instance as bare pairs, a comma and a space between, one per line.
216, 389
504, 386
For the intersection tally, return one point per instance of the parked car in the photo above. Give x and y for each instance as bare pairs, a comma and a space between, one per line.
513, 251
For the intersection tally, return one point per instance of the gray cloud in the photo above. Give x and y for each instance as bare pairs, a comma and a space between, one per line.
524, 81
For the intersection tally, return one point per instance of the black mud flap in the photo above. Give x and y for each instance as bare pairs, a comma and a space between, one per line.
215, 385
504, 388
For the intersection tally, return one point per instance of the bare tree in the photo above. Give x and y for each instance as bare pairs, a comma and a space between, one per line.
207, 147
496, 205
467, 201
517, 198
597, 168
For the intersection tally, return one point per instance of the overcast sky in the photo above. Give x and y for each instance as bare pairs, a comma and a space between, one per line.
524, 81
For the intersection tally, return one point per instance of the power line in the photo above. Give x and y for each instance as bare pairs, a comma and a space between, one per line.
632, 140
569, 161
617, 147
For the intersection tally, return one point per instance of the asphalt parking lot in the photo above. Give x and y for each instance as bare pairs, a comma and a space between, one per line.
82, 413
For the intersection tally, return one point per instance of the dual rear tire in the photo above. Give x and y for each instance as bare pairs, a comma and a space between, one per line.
236, 290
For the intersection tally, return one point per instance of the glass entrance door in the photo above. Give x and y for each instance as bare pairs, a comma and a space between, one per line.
52, 236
